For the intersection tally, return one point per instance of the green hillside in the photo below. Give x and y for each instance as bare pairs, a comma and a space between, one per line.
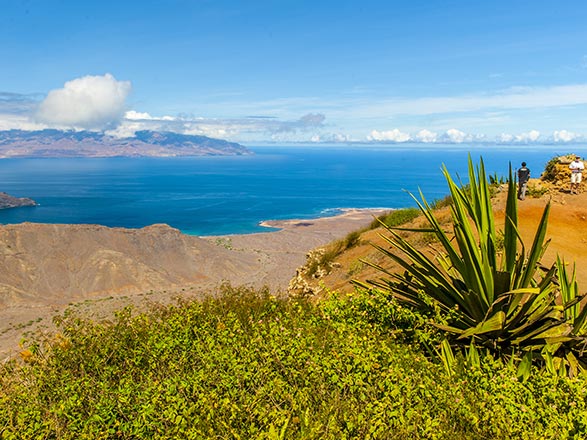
247, 365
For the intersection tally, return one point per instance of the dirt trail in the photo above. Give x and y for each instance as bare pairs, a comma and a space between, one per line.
567, 228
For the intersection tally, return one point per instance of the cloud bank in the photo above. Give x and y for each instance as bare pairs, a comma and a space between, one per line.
455, 136
394, 135
90, 102
233, 129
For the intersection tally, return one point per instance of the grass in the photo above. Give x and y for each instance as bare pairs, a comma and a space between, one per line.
322, 260
396, 217
536, 191
247, 365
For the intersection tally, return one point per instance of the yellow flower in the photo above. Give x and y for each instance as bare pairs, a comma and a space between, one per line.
26, 355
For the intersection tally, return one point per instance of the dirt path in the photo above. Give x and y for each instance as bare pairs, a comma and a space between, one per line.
567, 228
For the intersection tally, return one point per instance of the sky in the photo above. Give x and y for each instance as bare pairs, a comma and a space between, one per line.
299, 71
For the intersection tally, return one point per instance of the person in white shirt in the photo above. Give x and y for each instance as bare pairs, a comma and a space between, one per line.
576, 168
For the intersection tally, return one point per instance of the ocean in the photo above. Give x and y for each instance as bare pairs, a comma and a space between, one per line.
232, 194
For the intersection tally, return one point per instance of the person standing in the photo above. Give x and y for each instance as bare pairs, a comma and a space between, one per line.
576, 168
523, 177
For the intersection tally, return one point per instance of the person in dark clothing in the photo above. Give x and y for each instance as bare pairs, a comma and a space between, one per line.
523, 177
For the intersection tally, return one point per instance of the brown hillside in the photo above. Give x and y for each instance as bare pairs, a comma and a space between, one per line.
567, 230
44, 268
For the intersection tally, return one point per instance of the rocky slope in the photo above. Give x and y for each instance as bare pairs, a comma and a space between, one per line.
57, 143
44, 262
8, 201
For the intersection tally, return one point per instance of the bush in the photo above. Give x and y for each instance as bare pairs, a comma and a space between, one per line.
396, 217
550, 170
321, 259
488, 285
536, 191
442, 203
248, 365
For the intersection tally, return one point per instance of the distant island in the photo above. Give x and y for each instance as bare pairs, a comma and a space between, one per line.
7, 201
58, 143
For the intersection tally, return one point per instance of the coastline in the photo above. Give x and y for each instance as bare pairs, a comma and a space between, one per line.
344, 213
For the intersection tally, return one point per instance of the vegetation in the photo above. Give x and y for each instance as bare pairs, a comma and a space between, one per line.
248, 365
550, 170
475, 341
396, 217
536, 191
437, 204
321, 260
495, 179
485, 288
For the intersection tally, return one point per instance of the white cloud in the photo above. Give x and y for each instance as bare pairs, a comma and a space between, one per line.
89, 102
505, 138
137, 116
238, 129
394, 135
19, 122
340, 137
455, 136
564, 136
426, 136
531, 136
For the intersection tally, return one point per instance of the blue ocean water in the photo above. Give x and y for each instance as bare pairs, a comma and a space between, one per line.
228, 195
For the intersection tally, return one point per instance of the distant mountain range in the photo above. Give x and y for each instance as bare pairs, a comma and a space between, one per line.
58, 143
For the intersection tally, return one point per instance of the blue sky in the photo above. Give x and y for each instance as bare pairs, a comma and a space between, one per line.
262, 71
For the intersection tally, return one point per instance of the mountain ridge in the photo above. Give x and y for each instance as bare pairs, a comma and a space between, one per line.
145, 143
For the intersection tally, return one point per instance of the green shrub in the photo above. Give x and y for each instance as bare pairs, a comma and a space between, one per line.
352, 239
550, 170
251, 366
488, 285
441, 203
396, 217
495, 180
322, 259
536, 191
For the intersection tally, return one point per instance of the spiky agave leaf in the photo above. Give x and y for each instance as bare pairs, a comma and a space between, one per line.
500, 300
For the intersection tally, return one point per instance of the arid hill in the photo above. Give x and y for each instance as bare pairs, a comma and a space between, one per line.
567, 230
44, 268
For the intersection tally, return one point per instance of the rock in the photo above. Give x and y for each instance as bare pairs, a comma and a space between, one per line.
7, 201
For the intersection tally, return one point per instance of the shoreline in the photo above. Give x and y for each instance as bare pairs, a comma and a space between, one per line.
343, 213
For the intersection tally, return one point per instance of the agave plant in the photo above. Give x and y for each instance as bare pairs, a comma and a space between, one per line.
490, 288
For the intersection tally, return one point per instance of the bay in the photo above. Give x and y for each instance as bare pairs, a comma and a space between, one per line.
232, 194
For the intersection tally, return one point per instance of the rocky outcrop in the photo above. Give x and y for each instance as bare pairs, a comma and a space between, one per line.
58, 143
557, 173
306, 282
7, 201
